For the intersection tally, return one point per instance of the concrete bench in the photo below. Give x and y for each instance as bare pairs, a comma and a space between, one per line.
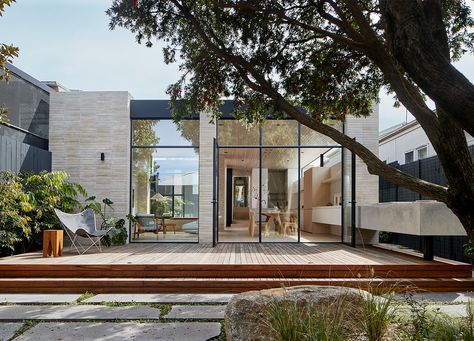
426, 218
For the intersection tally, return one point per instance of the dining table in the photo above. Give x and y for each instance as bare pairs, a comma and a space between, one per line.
274, 216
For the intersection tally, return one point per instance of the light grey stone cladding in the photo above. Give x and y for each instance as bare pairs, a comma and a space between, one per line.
365, 130
206, 177
84, 124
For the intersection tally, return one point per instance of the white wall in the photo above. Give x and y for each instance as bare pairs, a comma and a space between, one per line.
410, 139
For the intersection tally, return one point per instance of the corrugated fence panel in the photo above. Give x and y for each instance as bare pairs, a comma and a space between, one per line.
18, 157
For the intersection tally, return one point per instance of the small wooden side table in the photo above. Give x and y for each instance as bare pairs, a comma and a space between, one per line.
53, 243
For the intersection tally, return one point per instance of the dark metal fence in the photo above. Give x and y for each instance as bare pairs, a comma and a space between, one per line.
18, 157
428, 169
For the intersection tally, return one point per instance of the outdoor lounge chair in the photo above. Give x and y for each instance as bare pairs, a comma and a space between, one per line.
82, 225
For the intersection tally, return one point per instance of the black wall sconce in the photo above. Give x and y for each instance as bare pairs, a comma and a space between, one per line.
102, 156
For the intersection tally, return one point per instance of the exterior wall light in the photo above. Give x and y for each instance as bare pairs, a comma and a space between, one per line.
102, 156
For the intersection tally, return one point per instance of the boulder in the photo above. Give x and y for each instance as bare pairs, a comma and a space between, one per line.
247, 313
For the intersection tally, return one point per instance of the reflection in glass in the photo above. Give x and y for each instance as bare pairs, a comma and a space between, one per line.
234, 133
165, 185
280, 133
165, 133
310, 137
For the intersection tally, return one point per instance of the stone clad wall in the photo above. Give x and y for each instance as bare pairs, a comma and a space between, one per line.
206, 160
84, 124
366, 131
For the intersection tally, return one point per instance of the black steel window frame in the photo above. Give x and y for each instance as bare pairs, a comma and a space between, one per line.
261, 147
131, 193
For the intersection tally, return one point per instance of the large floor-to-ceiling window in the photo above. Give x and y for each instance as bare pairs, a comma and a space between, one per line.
278, 182
165, 181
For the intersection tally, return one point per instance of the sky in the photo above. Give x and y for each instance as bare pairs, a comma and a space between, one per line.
69, 41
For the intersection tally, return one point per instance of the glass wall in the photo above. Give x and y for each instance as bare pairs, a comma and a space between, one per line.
165, 181
282, 166
28, 105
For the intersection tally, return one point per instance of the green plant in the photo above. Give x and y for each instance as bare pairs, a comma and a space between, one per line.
120, 236
117, 236
47, 191
467, 326
85, 296
14, 208
288, 321
27, 207
443, 327
377, 313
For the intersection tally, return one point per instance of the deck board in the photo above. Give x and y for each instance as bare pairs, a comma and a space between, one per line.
297, 254
227, 267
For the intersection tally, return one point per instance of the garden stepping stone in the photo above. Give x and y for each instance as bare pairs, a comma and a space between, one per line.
7, 330
457, 310
439, 297
161, 298
76, 312
110, 331
38, 298
201, 312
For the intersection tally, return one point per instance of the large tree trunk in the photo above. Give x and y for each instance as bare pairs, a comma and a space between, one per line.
417, 38
458, 167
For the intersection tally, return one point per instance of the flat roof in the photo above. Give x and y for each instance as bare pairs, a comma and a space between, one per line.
160, 109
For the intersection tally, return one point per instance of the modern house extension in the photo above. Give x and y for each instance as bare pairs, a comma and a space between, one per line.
202, 181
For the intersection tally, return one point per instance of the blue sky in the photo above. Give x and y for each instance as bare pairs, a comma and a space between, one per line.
69, 41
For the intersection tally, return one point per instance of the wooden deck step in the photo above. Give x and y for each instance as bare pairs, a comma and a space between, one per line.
189, 285
282, 271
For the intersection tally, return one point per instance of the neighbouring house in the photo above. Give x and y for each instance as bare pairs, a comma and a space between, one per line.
24, 138
407, 142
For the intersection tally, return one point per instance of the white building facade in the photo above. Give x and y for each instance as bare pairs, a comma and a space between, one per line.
407, 142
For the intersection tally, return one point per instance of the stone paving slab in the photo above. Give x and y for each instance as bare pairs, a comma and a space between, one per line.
201, 312
441, 297
7, 330
161, 298
83, 331
458, 310
38, 298
75, 313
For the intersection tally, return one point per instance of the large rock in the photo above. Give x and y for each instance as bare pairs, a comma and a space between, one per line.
246, 313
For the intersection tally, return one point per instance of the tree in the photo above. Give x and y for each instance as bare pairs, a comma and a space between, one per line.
330, 58
7, 53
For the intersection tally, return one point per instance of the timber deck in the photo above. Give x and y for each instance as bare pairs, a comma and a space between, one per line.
229, 268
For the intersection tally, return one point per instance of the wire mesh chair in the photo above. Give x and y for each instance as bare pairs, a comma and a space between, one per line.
83, 225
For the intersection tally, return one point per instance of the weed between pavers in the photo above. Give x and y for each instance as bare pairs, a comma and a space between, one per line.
27, 325
85, 296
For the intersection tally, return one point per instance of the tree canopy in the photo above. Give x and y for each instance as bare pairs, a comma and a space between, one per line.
319, 59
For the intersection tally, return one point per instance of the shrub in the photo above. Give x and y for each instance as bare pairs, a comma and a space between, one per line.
377, 314
118, 235
27, 207
46, 191
289, 322
14, 219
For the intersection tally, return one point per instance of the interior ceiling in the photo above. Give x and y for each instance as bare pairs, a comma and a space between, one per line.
273, 158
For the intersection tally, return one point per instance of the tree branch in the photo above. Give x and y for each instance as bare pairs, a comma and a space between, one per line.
374, 164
